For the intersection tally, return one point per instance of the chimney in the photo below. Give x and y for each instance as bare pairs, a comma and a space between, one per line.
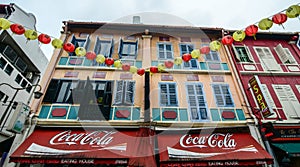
136, 20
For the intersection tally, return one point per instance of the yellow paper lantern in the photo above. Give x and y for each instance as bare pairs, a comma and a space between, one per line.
31, 34
214, 45
80, 51
239, 35
265, 24
195, 53
4, 24
57, 43
133, 69
293, 11
161, 67
100, 58
178, 61
118, 64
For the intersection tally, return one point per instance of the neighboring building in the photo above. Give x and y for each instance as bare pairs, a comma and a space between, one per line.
268, 68
22, 63
188, 114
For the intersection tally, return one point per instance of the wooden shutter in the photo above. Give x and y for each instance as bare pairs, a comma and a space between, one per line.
287, 99
119, 93
267, 59
129, 92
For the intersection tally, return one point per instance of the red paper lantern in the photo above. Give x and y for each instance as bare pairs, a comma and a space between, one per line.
251, 30
153, 69
90, 55
44, 38
126, 67
17, 29
279, 18
169, 63
69, 47
227, 40
140, 71
109, 61
186, 57
205, 50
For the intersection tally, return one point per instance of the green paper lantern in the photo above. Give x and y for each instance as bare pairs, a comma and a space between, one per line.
239, 35
31, 34
214, 45
265, 24
195, 53
57, 43
100, 58
293, 11
4, 24
80, 51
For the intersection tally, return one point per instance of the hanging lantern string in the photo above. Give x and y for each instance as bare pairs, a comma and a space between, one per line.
271, 16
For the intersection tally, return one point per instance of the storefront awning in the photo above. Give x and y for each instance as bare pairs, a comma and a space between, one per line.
85, 146
210, 149
293, 149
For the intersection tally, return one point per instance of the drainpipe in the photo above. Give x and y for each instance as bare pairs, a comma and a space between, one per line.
146, 97
265, 142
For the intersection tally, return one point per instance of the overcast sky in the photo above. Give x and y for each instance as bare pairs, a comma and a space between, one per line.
228, 14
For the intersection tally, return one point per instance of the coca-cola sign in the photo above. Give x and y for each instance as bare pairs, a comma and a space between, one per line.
94, 138
220, 140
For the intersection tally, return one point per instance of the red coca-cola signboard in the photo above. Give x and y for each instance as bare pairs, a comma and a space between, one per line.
210, 149
78, 146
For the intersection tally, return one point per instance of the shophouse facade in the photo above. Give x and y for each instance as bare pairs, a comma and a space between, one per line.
22, 63
175, 113
268, 68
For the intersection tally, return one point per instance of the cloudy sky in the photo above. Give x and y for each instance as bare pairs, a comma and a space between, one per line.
228, 14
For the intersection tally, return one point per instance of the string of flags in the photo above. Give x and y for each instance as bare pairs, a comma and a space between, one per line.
264, 24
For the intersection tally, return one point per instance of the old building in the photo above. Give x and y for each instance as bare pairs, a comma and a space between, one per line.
268, 68
22, 63
162, 106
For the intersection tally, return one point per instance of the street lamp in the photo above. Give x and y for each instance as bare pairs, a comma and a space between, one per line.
37, 95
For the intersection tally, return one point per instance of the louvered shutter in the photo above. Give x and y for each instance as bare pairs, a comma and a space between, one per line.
119, 93
129, 93
267, 59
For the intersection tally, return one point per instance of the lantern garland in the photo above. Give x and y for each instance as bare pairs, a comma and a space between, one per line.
265, 24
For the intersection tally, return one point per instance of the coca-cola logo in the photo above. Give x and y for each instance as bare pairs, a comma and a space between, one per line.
94, 138
219, 140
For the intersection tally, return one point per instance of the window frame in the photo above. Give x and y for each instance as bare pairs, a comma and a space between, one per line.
75, 41
238, 55
279, 49
133, 44
165, 51
97, 47
168, 94
211, 54
189, 64
194, 84
269, 66
222, 94
123, 92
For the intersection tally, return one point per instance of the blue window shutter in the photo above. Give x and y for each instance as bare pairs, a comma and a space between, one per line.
120, 48
119, 92
129, 92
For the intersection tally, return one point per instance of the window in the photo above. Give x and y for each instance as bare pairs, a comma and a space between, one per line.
80, 42
298, 42
168, 94
9, 69
165, 51
267, 59
104, 47
285, 55
124, 92
242, 53
128, 49
24, 83
21, 65
2, 63
10, 54
222, 95
188, 48
18, 79
288, 100
212, 55
196, 101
